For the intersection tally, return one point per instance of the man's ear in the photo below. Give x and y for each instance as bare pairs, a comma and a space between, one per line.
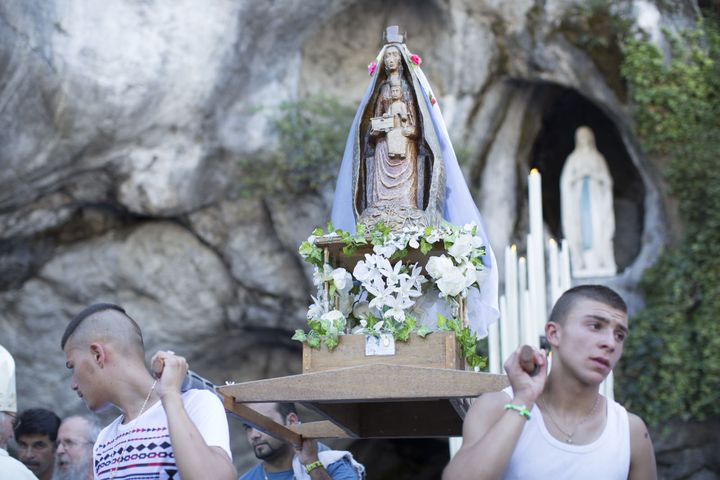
553, 333
292, 419
99, 355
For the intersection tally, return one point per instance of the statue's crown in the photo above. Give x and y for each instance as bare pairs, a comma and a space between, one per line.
392, 35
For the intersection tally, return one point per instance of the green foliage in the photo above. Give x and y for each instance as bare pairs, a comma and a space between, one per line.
599, 28
311, 136
467, 339
671, 367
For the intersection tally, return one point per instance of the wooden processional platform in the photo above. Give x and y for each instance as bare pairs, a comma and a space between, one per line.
420, 391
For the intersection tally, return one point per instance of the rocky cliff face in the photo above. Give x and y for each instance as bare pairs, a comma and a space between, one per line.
123, 126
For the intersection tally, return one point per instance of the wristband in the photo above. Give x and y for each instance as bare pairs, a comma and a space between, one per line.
520, 409
312, 466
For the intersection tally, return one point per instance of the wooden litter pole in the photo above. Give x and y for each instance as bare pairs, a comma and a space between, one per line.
266, 424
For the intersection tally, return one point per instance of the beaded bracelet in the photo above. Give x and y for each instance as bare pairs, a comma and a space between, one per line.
521, 409
312, 466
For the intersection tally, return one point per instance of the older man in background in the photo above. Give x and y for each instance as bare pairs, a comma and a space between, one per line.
9, 467
35, 433
75, 441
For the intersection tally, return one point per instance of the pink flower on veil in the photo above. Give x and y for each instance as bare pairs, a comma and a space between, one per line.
415, 59
371, 67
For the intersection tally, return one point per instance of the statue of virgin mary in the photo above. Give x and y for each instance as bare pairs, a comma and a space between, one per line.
423, 187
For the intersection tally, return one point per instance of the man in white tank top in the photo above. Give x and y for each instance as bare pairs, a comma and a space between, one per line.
557, 425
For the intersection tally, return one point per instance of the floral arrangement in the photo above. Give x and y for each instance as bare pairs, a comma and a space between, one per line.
380, 294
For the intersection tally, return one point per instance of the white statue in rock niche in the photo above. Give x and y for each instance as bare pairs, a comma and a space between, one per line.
588, 219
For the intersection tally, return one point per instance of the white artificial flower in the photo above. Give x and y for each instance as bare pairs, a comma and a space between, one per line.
414, 240
342, 280
361, 310
366, 269
410, 287
416, 276
392, 274
468, 270
452, 282
386, 250
395, 312
333, 321
464, 247
434, 236
481, 274
461, 248
438, 266
311, 239
382, 294
317, 309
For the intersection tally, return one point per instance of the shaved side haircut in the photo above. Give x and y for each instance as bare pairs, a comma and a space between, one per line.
108, 322
285, 409
598, 293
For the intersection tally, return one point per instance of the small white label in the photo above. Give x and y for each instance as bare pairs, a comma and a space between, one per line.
382, 345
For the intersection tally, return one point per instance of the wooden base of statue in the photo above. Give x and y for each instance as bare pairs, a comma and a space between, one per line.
437, 350
397, 217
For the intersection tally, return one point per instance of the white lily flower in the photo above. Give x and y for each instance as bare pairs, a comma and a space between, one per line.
392, 274
382, 294
408, 287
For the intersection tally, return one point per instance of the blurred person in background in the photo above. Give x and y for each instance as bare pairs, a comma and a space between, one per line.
9, 467
75, 441
36, 431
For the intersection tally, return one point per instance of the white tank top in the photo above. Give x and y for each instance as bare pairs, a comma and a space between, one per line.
540, 455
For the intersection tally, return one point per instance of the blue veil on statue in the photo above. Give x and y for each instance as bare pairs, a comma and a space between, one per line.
442, 192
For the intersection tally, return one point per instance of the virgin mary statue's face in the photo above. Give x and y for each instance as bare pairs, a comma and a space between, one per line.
392, 58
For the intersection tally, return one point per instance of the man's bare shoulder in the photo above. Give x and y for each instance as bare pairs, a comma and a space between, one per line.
642, 455
491, 402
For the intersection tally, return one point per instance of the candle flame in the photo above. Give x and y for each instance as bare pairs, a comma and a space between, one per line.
552, 242
534, 171
513, 247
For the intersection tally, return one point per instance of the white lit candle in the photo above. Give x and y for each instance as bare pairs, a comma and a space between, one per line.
511, 296
494, 358
529, 336
536, 252
504, 345
554, 266
565, 278
523, 311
